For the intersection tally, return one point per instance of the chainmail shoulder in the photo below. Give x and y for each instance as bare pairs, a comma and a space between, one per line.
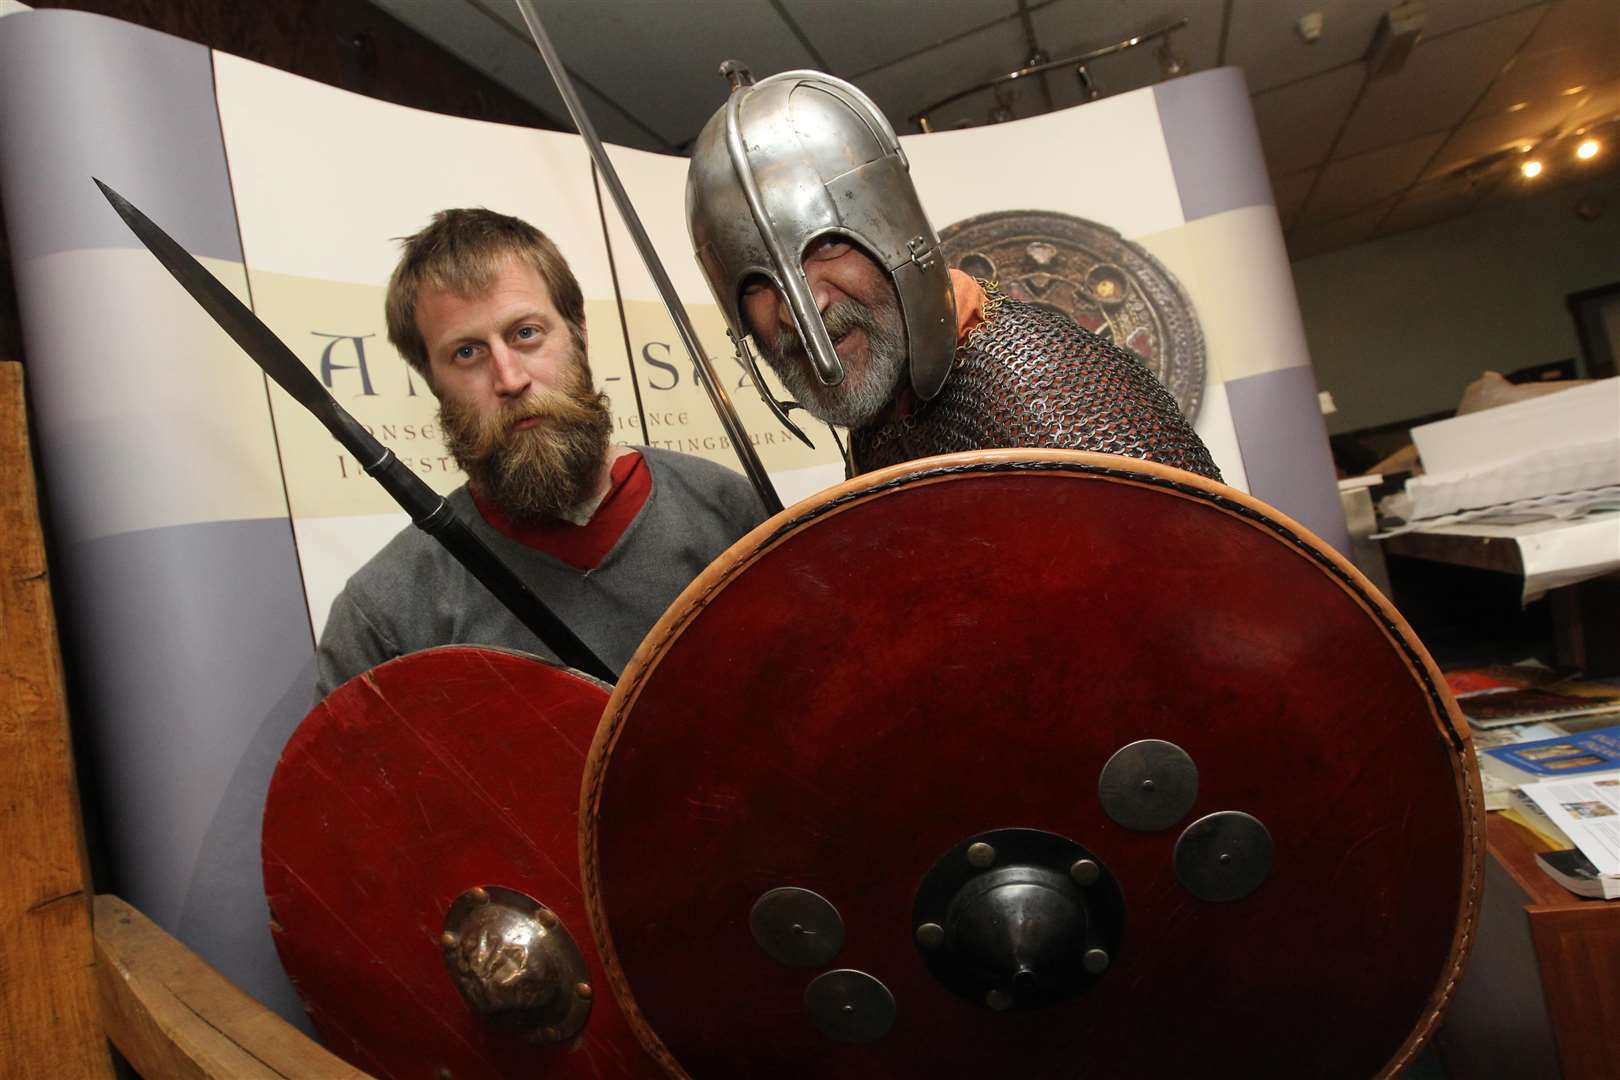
1029, 378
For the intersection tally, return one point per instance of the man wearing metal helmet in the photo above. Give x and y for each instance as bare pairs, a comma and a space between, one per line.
804, 218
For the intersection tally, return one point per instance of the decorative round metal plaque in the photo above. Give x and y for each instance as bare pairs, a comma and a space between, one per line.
1090, 273
849, 1006
797, 927
1223, 856
1149, 784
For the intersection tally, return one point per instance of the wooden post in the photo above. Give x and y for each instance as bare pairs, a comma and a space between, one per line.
50, 1025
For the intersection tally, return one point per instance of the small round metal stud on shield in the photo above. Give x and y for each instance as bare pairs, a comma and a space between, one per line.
797, 927
1223, 856
849, 1006
1148, 784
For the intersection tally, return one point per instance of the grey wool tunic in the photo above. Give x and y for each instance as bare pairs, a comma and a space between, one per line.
413, 595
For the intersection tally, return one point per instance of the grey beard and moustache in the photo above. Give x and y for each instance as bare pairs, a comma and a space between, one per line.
864, 393
546, 472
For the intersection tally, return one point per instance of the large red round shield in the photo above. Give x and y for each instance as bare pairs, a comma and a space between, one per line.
961, 645
424, 778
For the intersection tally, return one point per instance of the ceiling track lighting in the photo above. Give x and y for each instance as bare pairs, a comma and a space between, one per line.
1171, 63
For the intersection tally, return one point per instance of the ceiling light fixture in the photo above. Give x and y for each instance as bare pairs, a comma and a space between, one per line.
1531, 169
1088, 85
1587, 150
1171, 62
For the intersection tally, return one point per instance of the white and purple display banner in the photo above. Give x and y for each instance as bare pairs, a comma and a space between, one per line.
204, 521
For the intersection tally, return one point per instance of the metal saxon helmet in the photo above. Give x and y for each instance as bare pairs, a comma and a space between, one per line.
794, 157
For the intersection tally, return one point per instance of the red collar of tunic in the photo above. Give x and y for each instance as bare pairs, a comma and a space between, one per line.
583, 546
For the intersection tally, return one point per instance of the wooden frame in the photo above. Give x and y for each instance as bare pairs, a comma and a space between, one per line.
66, 991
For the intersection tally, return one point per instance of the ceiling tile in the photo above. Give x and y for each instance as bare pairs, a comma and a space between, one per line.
1502, 133
1436, 201
1263, 41
1289, 194
1597, 105
660, 61
855, 37
1298, 122
1443, 78
1444, 16
903, 88
1355, 183
494, 49
1305, 242
1576, 45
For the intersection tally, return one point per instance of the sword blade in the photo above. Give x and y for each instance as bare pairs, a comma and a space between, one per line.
428, 509
753, 468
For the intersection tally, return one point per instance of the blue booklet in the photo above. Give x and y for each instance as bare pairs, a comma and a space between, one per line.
1590, 751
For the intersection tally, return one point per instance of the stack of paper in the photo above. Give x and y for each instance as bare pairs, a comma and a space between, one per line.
1587, 810
1551, 445
1542, 473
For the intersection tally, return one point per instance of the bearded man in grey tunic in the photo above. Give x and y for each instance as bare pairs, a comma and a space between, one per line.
486, 310
804, 218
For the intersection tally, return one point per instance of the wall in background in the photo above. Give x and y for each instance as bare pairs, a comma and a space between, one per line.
344, 43
1398, 327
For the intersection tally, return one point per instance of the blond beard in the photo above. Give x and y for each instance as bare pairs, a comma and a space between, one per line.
543, 473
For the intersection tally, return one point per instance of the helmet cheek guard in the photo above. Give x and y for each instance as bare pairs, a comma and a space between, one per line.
791, 158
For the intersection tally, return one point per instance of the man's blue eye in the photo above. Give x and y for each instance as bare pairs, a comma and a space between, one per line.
464, 353
527, 332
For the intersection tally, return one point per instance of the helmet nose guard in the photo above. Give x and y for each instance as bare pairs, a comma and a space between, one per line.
792, 158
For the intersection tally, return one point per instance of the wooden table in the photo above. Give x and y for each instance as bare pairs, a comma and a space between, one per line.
1541, 996
1585, 614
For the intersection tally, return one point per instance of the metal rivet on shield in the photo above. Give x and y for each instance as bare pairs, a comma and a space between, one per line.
930, 935
981, 855
1085, 872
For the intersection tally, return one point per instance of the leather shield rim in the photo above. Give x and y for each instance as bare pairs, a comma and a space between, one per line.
1111, 468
